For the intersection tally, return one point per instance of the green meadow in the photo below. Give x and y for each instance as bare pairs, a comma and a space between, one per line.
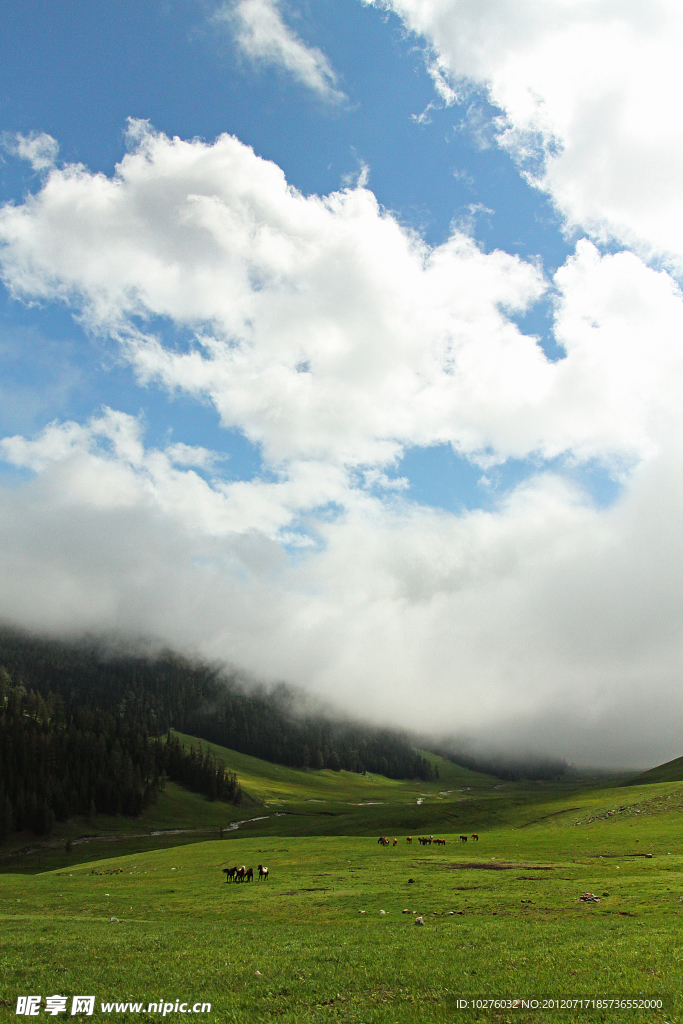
332, 934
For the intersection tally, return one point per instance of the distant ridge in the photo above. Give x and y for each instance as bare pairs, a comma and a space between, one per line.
671, 771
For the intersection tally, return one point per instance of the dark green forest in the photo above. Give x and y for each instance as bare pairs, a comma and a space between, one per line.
56, 763
83, 730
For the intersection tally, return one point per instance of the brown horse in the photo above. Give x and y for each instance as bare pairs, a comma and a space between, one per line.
240, 873
409, 839
229, 874
475, 837
382, 841
463, 839
249, 875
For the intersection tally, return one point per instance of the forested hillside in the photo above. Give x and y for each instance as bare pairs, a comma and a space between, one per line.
79, 722
54, 765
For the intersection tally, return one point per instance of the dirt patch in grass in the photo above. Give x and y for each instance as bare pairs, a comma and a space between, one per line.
293, 892
496, 865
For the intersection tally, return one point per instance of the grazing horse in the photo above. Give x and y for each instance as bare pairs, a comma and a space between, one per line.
409, 839
230, 874
382, 841
475, 837
463, 839
262, 872
249, 875
440, 842
423, 840
395, 842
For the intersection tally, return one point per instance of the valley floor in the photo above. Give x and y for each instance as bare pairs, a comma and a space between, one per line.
503, 917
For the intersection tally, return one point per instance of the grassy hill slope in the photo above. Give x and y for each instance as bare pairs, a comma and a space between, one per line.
671, 771
264, 781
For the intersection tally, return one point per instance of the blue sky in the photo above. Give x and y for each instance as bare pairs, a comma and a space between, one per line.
341, 341
93, 68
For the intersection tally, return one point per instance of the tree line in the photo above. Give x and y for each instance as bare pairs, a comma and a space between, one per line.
262, 724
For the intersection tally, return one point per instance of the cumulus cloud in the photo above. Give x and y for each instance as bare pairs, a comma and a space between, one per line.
334, 339
263, 36
104, 462
326, 332
589, 93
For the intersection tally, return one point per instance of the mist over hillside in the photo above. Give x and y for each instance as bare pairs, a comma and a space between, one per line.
159, 689
140, 682
510, 766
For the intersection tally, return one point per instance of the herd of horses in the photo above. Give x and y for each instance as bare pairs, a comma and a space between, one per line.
423, 840
245, 874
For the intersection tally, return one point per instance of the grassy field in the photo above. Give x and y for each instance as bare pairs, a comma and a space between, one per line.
277, 800
502, 917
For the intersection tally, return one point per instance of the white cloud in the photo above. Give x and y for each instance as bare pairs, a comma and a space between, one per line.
327, 333
262, 35
444, 89
39, 148
591, 89
104, 464
182, 454
335, 339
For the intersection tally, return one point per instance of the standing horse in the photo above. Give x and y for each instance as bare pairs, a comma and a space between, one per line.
262, 872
